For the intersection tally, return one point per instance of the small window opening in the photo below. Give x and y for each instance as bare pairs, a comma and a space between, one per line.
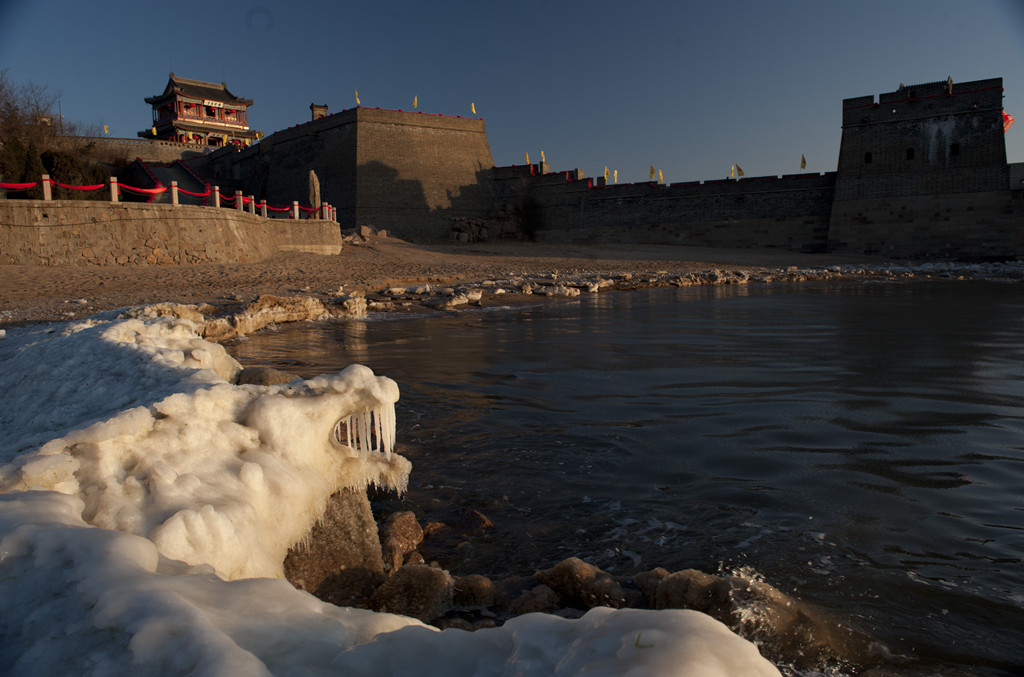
867, 158
910, 153
954, 149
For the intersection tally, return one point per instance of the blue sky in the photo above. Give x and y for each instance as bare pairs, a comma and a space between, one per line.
690, 88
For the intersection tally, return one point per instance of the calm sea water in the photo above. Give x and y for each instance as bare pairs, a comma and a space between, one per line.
859, 445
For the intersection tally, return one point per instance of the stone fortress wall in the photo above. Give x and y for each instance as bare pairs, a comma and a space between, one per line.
921, 173
790, 212
410, 173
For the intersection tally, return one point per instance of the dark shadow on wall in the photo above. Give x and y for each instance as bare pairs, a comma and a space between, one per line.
478, 214
382, 200
385, 201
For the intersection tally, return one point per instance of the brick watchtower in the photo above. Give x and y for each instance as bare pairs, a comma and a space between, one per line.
934, 138
922, 173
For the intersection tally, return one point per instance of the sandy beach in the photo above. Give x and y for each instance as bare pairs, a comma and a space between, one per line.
51, 293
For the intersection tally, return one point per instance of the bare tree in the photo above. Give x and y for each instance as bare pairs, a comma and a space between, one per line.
31, 113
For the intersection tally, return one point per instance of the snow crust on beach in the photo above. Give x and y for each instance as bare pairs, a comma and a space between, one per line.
147, 504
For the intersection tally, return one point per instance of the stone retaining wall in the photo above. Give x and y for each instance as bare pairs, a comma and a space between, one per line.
79, 233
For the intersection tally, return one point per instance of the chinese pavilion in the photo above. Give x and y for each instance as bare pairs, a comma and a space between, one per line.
193, 111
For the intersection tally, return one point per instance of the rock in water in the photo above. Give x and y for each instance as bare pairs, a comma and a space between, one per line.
419, 591
263, 376
400, 535
787, 629
342, 545
585, 586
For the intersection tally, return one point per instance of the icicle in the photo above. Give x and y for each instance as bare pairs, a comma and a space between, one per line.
364, 433
380, 432
370, 431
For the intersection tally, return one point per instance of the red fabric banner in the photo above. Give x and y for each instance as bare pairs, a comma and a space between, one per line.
97, 186
148, 191
1007, 122
188, 192
18, 186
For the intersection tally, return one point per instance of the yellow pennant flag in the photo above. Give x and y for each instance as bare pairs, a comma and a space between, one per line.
661, 179
615, 176
106, 129
154, 130
527, 158
542, 157
472, 107
652, 172
415, 100
732, 172
803, 162
357, 97
739, 172
606, 173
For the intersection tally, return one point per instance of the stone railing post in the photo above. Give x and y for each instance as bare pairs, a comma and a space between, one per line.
263, 208
238, 200
47, 187
113, 189
174, 193
323, 211
216, 196
295, 210
252, 204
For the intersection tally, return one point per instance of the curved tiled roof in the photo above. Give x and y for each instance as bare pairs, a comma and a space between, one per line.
198, 89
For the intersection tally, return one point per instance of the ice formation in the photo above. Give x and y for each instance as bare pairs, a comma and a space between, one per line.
146, 506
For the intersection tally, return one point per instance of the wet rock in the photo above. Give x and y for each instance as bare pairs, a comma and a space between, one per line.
218, 329
583, 584
422, 592
413, 557
692, 589
354, 305
560, 290
263, 311
350, 587
787, 629
474, 590
263, 376
647, 582
473, 521
400, 535
453, 301
540, 599
269, 309
344, 539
